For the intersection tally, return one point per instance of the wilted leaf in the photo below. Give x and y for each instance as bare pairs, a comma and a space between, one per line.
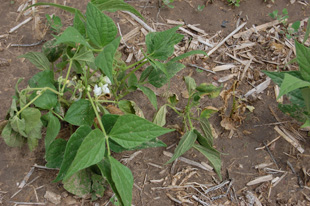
38, 59
160, 117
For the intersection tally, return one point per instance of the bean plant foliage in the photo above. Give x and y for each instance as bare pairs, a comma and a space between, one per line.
296, 84
68, 91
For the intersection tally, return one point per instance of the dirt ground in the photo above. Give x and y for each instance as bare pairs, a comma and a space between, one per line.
239, 155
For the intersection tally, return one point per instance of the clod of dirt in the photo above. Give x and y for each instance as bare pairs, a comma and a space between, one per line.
52, 197
69, 201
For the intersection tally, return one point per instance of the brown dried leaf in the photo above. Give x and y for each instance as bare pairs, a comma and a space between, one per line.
227, 123
114, 110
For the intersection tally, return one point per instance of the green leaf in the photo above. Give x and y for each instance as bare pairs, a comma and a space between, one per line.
13, 108
130, 131
85, 156
296, 26
160, 45
100, 28
291, 83
105, 58
206, 128
34, 125
45, 78
158, 78
150, 144
208, 112
18, 125
173, 99
306, 95
55, 153
52, 129
150, 95
130, 107
213, 156
146, 73
190, 84
307, 32
51, 51
209, 89
38, 59
12, 138
123, 180
278, 77
84, 55
72, 147
79, 184
32, 117
187, 54
115, 5
202, 140
157, 65
108, 121
160, 117
132, 82
105, 168
295, 96
71, 35
306, 124
80, 113
66, 8
126, 106
186, 142
78, 24
97, 185
294, 111
303, 54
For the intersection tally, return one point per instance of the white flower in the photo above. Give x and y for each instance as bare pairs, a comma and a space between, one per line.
107, 80
105, 89
97, 90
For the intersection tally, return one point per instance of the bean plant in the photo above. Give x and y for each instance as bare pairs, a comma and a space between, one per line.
296, 84
193, 138
82, 80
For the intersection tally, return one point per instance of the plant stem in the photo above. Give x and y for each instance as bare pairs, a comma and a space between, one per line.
29, 103
131, 72
175, 110
106, 101
43, 88
134, 64
100, 123
60, 117
67, 76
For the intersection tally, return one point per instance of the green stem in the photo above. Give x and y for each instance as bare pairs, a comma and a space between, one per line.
187, 112
189, 121
134, 64
175, 110
43, 89
60, 117
27, 105
132, 71
106, 101
67, 76
100, 123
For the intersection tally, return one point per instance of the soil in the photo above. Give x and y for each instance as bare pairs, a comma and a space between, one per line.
238, 152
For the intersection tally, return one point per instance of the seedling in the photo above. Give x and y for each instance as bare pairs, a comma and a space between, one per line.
234, 2
289, 31
168, 3
192, 113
